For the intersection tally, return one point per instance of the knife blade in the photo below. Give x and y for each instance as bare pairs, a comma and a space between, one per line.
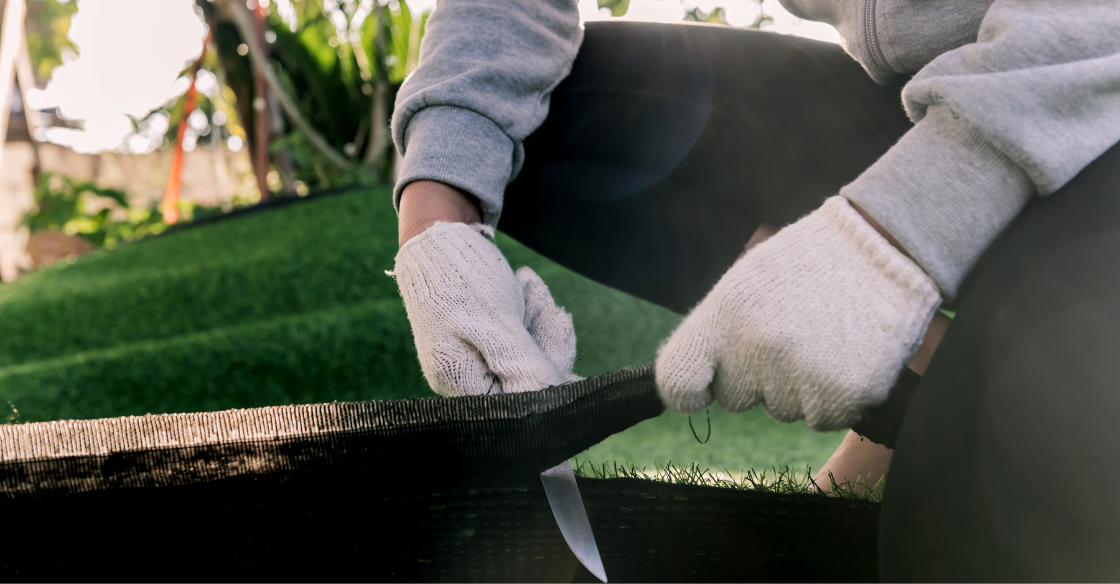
567, 507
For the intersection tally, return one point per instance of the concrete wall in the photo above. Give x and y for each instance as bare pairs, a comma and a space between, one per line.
16, 186
210, 177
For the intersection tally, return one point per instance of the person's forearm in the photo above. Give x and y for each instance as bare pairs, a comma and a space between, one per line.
1015, 114
426, 202
862, 459
482, 85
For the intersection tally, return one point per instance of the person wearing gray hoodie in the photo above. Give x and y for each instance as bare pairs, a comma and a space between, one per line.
649, 156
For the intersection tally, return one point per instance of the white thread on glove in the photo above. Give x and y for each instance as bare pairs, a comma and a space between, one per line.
479, 328
815, 323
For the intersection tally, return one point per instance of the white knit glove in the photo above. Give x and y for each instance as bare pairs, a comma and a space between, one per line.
814, 323
479, 328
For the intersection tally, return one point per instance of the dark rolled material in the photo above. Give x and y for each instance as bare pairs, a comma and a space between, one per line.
412, 490
880, 424
511, 434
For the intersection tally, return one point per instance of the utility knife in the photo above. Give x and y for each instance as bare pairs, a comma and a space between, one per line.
567, 506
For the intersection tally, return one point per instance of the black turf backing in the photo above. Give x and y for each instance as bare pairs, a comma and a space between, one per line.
414, 490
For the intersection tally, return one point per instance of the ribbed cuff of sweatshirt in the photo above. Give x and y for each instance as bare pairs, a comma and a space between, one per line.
945, 193
461, 148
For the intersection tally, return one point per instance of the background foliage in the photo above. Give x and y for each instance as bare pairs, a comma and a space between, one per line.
47, 26
342, 62
101, 216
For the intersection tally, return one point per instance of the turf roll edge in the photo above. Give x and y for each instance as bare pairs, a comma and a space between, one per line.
438, 489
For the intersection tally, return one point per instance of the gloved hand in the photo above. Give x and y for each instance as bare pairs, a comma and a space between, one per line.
479, 328
815, 323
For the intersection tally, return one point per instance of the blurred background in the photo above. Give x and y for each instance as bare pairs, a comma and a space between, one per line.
127, 115
134, 128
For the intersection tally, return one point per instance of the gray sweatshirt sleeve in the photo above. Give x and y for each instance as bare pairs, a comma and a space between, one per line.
1016, 112
895, 37
485, 74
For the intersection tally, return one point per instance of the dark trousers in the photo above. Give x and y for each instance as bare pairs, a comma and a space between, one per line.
666, 148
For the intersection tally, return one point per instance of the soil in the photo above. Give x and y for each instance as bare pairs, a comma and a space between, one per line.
48, 247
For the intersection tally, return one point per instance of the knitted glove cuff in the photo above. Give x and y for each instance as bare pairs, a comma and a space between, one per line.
900, 298
874, 249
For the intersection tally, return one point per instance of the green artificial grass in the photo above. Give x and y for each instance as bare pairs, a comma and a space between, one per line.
292, 305
739, 442
784, 480
280, 306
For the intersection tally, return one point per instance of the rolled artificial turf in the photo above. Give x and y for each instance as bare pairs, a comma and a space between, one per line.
332, 528
403, 490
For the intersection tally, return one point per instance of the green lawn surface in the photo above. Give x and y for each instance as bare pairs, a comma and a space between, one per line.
292, 305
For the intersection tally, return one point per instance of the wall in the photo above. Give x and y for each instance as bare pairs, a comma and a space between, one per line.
210, 177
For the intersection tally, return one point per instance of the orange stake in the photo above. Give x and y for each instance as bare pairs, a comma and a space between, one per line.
170, 205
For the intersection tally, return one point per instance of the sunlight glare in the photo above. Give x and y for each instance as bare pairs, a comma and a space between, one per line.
738, 13
117, 75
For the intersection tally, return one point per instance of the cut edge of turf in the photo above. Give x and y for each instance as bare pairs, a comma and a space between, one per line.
784, 480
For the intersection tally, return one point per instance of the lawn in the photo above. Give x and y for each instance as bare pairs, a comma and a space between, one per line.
292, 305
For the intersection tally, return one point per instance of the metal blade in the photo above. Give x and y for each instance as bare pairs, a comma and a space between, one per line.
567, 506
